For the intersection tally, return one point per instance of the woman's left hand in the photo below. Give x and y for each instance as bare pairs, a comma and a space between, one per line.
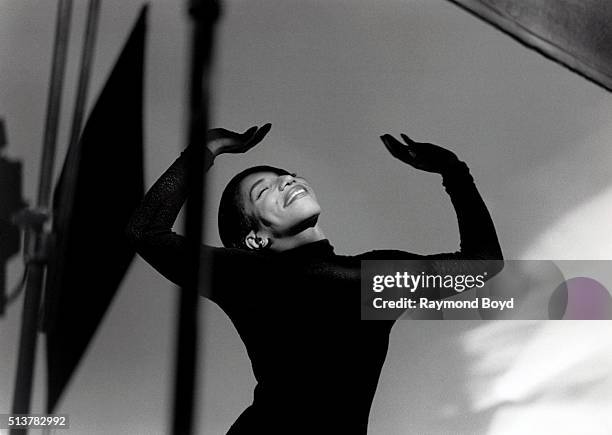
424, 156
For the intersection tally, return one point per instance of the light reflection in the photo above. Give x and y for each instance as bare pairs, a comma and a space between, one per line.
549, 377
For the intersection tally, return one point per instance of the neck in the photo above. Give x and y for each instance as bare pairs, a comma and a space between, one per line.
309, 235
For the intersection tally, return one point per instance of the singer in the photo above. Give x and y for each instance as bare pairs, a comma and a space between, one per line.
316, 364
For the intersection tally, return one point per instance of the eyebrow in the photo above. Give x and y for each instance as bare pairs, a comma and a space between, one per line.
253, 187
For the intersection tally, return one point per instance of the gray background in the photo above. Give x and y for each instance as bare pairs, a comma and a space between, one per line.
332, 76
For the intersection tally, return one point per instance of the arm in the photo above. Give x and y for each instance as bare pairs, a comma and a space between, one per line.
478, 239
150, 228
479, 248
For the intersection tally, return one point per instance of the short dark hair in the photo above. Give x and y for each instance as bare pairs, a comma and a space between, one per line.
233, 221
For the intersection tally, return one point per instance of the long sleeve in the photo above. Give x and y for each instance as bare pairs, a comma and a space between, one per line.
476, 229
150, 230
479, 252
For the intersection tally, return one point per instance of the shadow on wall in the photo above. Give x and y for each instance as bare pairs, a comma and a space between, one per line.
506, 377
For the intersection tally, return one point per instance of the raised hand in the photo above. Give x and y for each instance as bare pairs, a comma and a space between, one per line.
222, 141
424, 156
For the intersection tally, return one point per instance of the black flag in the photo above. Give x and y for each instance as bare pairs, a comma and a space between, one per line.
575, 33
100, 185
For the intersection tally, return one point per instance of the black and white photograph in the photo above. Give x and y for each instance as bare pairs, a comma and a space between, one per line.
197, 196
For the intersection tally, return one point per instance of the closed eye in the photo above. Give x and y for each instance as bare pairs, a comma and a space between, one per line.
261, 192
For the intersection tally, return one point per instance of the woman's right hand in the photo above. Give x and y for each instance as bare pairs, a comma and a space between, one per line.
222, 141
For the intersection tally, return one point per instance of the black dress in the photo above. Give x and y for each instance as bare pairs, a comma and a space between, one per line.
316, 363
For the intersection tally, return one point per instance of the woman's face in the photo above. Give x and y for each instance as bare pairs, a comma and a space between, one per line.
280, 203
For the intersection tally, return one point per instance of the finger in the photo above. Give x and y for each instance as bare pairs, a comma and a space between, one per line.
399, 150
393, 141
388, 140
390, 143
411, 146
386, 143
249, 133
407, 140
259, 134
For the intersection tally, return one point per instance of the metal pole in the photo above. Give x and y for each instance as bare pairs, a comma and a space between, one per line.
203, 15
60, 52
29, 328
27, 344
87, 55
72, 158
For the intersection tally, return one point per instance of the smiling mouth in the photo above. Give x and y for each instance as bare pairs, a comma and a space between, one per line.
296, 192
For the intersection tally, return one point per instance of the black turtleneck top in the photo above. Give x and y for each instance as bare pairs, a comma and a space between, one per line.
316, 363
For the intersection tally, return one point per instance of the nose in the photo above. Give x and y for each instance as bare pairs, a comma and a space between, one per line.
286, 180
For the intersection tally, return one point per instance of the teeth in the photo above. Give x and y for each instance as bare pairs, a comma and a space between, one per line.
297, 191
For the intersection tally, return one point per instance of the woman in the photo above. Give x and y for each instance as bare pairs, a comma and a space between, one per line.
289, 295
